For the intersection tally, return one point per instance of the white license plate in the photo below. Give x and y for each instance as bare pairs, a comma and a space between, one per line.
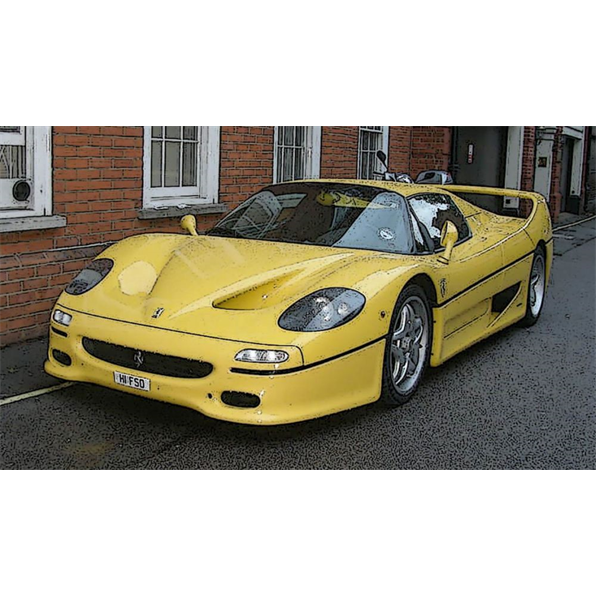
131, 381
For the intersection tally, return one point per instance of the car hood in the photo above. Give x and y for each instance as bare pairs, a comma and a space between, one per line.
221, 287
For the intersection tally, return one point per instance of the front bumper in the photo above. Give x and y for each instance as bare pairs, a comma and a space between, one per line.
298, 394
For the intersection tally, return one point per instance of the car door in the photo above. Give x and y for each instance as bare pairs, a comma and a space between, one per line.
468, 281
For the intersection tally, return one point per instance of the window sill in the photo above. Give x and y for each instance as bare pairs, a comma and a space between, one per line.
212, 208
21, 224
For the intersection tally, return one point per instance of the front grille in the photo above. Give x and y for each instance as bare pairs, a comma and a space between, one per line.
150, 362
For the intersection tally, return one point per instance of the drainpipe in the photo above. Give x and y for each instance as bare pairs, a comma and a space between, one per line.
453, 165
586, 167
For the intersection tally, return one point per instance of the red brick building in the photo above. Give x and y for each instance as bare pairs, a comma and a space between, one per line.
68, 192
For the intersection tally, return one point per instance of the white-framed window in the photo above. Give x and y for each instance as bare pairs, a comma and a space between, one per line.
370, 140
25, 171
297, 153
181, 165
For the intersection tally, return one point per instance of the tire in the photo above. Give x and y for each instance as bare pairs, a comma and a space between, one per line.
536, 289
408, 347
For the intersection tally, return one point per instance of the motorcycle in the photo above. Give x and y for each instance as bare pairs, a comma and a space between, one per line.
425, 177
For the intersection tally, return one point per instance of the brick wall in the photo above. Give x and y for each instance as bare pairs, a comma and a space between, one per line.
400, 142
246, 161
97, 185
339, 152
528, 158
29, 286
431, 148
555, 185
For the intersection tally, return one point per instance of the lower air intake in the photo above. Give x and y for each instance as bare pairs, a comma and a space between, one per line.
240, 400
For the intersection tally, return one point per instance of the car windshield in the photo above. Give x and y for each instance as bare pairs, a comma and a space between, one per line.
323, 214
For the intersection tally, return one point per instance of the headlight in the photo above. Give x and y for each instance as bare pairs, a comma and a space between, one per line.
62, 317
323, 310
262, 356
90, 276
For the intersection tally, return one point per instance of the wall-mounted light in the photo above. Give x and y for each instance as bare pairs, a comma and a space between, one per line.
545, 133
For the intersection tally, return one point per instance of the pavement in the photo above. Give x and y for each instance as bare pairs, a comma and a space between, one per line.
569, 235
523, 399
21, 368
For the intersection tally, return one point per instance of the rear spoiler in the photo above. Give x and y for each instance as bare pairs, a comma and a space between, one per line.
498, 192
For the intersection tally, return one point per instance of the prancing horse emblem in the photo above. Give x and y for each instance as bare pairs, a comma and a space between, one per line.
138, 358
443, 286
157, 313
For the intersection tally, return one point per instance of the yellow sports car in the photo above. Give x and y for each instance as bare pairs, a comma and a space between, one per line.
310, 298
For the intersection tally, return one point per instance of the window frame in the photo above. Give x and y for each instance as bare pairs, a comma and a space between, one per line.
9, 137
384, 147
38, 148
312, 152
206, 192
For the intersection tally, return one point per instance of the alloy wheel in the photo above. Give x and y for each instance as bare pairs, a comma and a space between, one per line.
409, 344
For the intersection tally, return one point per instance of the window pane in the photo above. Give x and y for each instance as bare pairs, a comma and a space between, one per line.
299, 164
366, 161
12, 161
371, 140
172, 132
433, 211
291, 153
155, 163
288, 135
280, 164
189, 164
175, 155
172, 169
287, 171
191, 133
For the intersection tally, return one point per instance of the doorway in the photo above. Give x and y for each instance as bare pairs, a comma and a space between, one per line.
479, 158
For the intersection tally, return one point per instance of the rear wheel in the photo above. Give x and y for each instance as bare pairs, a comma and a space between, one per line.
536, 289
408, 346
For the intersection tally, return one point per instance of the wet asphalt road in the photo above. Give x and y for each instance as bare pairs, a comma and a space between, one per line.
522, 399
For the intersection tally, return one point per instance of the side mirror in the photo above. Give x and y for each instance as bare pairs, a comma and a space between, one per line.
449, 237
189, 224
382, 158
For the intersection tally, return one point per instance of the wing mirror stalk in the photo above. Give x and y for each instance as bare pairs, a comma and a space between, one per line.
449, 237
189, 224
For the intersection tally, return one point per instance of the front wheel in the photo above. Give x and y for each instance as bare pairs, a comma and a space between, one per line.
536, 289
408, 346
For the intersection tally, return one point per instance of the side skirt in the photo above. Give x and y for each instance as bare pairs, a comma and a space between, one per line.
503, 309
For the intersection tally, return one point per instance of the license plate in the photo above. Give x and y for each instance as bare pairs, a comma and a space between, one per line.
131, 381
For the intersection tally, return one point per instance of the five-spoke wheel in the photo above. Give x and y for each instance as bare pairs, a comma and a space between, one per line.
536, 289
408, 346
